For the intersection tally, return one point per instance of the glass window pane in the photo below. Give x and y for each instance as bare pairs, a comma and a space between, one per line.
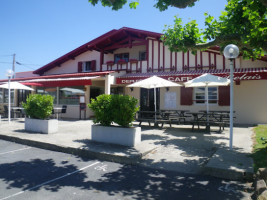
6, 96
48, 91
71, 95
96, 91
200, 95
1, 96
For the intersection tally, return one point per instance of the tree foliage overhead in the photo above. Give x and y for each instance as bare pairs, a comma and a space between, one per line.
160, 4
243, 22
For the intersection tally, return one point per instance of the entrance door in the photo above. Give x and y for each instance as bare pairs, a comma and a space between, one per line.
147, 99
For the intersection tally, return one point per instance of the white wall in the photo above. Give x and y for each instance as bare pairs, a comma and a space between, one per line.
71, 66
250, 102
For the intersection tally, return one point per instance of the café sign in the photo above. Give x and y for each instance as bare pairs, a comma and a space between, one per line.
238, 76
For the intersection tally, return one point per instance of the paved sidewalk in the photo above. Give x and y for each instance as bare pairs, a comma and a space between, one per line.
174, 149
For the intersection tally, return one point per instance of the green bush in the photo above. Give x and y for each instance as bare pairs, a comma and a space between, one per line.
124, 109
101, 107
114, 108
38, 106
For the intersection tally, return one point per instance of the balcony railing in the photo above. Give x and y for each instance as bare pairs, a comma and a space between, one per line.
132, 66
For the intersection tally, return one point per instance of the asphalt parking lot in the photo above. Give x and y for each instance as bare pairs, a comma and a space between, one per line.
32, 173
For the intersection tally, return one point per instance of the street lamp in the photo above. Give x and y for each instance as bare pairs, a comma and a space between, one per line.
9, 74
231, 52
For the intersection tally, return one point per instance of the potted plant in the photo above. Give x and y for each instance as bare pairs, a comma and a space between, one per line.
38, 108
115, 109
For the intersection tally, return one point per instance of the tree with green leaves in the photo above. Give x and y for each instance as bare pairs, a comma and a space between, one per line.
243, 22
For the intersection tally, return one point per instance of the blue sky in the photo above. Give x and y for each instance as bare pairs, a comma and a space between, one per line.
39, 31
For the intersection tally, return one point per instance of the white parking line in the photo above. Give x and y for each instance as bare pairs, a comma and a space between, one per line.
15, 150
50, 181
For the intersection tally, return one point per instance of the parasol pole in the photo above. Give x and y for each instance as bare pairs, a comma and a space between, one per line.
207, 98
155, 103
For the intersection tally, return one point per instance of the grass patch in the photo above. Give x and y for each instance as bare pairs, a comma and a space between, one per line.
259, 153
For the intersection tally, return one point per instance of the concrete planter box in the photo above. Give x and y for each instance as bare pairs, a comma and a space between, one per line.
41, 126
116, 135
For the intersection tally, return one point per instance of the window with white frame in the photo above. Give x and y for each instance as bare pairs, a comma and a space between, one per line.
200, 97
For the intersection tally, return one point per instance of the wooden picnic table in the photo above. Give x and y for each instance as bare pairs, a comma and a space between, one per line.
149, 116
175, 116
207, 119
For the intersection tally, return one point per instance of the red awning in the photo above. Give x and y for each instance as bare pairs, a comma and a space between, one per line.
60, 82
183, 76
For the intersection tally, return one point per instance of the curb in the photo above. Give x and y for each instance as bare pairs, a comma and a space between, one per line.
132, 159
223, 164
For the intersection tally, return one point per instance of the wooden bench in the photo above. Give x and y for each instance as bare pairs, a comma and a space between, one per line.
221, 124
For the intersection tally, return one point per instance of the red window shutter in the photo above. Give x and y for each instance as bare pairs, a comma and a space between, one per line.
80, 67
93, 65
224, 96
186, 96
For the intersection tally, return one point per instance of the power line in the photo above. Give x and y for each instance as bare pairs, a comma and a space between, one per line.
19, 63
6, 62
5, 55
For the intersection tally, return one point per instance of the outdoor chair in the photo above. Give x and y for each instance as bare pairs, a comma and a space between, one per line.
16, 113
5, 111
63, 110
53, 115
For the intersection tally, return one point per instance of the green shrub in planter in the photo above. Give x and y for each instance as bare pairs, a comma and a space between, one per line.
124, 109
101, 106
38, 106
114, 108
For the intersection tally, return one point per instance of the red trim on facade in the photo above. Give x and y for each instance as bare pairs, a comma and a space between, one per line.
152, 55
234, 64
101, 60
224, 96
183, 61
87, 74
215, 61
201, 59
196, 61
209, 59
65, 83
147, 57
163, 57
175, 61
186, 97
188, 63
158, 56
172, 67
105, 40
181, 76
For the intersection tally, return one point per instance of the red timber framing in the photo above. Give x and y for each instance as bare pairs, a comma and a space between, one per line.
159, 56
175, 61
152, 55
163, 57
171, 67
107, 43
147, 57
127, 38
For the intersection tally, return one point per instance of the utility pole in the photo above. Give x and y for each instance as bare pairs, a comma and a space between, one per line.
13, 67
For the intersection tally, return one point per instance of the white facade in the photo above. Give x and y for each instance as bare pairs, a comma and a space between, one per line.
250, 100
